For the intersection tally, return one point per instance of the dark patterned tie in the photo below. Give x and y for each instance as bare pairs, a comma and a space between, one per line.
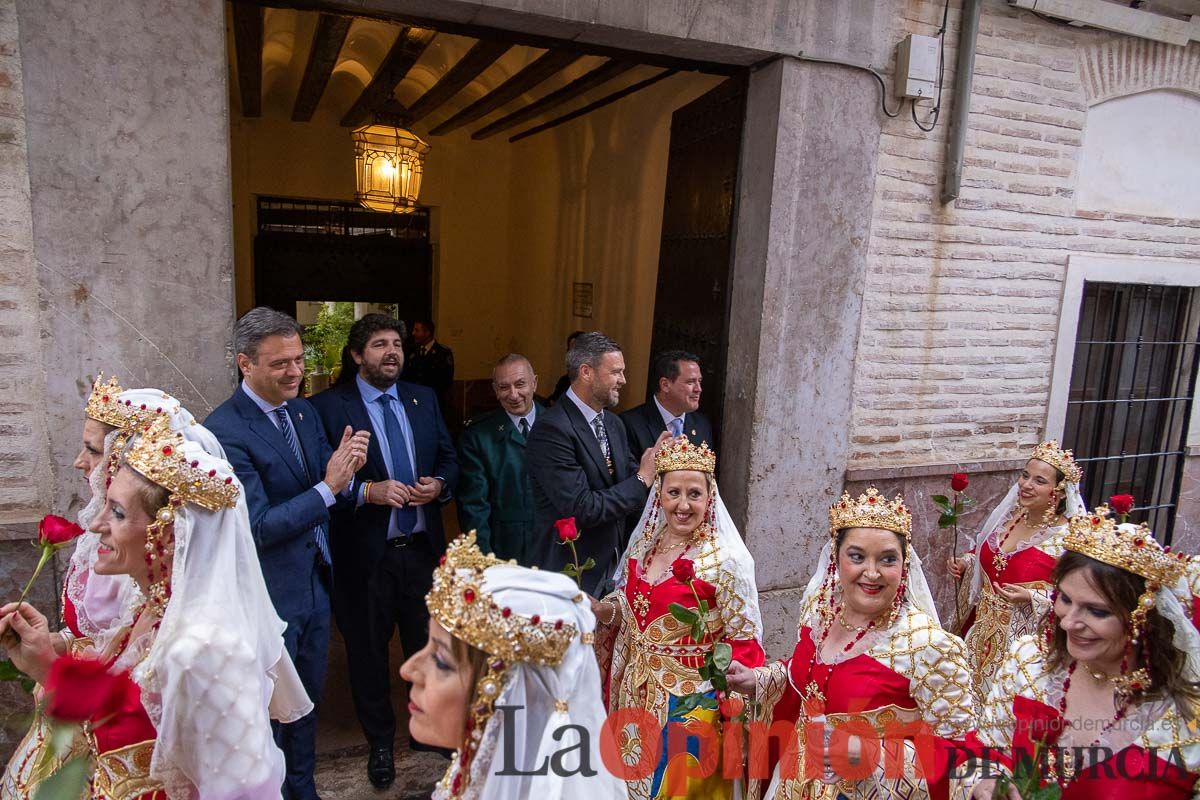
602, 435
524, 426
289, 436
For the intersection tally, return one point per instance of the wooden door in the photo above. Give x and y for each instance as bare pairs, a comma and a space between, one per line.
691, 303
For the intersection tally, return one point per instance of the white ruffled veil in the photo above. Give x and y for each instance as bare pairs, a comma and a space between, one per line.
212, 669
546, 699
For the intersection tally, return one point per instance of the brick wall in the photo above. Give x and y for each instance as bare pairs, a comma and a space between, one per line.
961, 305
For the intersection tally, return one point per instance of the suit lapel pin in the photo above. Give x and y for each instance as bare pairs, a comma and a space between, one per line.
300, 414
415, 403
693, 431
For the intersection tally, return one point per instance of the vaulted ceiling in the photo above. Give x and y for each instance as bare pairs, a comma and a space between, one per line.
302, 63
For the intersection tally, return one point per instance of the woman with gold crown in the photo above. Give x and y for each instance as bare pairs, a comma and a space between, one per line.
1005, 578
204, 645
685, 551
509, 678
95, 606
1106, 698
873, 661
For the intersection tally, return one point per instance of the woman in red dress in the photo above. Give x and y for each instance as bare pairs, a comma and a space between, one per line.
686, 550
875, 690
1008, 587
1106, 699
204, 646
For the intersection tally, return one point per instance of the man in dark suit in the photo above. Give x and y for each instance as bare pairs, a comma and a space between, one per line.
388, 541
675, 405
581, 465
292, 478
429, 362
495, 497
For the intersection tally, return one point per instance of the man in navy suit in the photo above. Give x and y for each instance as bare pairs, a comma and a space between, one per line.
675, 405
292, 477
386, 543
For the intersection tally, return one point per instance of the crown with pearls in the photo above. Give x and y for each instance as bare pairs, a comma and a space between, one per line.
681, 454
1062, 460
1131, 548
871, 510
158, 455
459, 603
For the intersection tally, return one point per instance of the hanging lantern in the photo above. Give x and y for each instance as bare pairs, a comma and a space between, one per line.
389, 161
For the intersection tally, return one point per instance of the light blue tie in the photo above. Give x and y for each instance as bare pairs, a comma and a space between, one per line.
677, 427
289, 436
406, 516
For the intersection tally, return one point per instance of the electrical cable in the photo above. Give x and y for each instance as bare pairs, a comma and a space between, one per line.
873, 72
937, 106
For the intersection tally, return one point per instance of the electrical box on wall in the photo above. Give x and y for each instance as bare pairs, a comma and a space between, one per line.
917, 67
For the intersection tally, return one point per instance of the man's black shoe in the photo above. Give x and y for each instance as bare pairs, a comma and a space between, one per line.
381, 769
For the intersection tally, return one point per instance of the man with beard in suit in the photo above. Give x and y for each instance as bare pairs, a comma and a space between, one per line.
581, 465
387, 543
675, 405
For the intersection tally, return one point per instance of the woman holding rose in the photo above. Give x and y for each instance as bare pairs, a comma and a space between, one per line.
686, 572
204, 645
1006, 576
873, 673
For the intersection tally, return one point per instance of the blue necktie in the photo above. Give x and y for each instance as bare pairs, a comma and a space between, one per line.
677, 427
289, 436
406, 516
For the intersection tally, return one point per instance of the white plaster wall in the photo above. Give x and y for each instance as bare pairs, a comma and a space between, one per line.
1141, 154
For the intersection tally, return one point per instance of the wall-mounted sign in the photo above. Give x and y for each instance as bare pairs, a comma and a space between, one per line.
582, 299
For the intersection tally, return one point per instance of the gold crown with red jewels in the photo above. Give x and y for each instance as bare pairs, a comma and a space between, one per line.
681, 454
157, 454
1133, 549
103, 405
871, 510
1062, 460
461, 606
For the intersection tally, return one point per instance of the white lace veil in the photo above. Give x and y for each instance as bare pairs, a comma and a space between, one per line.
1000, 513
212, 669
105, 604
735, 557
546, 699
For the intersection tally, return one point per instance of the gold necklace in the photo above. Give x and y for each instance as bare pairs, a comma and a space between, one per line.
851, 628
1097, 675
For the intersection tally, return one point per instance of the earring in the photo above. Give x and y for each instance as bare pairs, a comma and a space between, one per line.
1050, 622
1051, 509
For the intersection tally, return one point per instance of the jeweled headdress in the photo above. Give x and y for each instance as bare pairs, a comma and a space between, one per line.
103, 405
680, 455
1133, 549
459, 603
157, 455
871, 510
461, 606
1062, 460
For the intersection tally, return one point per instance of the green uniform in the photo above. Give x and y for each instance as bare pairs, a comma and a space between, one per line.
495, 498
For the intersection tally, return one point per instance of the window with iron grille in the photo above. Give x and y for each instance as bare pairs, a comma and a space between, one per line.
1132, 380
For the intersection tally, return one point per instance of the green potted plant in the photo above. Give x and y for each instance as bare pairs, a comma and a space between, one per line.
323, 342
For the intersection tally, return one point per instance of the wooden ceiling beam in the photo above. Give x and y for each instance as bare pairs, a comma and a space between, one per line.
590, 107
408, 47
481, 56
547, 64
248, 44
586, 82
322, 57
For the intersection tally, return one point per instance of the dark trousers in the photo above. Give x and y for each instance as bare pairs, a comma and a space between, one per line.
368, 614
307, 642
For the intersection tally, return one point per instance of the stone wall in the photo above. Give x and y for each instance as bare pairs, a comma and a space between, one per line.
962, 301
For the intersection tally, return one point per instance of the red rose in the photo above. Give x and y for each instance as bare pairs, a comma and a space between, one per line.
959, 481
82, 689
57, 531
731, 706
684, 570
567, 532
1121, 503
